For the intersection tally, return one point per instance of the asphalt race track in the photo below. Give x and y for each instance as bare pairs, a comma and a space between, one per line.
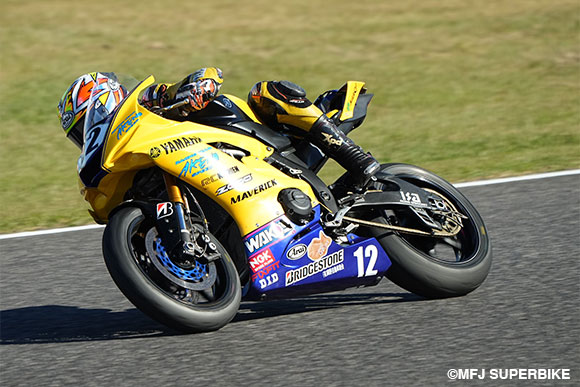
63, 322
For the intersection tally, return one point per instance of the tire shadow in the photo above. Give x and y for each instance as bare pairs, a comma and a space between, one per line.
257, 310
58, 323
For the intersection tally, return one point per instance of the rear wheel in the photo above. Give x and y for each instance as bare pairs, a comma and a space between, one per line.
435, 267
197, 298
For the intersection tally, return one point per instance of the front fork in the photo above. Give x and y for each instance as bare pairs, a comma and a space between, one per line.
180, 205
192, 247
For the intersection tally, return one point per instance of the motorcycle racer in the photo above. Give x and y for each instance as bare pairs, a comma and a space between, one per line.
278, 104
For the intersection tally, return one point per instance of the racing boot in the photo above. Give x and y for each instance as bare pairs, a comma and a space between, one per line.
334, 143
279, 103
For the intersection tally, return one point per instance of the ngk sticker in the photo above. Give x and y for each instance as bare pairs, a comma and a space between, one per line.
260, 261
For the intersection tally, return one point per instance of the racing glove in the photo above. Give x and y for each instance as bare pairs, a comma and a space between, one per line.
199, 94
155, 96
199, 88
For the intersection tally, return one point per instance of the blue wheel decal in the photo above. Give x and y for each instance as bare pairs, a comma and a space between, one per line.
195, 274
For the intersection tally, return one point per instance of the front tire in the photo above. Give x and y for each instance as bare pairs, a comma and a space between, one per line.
437, 267
189, 307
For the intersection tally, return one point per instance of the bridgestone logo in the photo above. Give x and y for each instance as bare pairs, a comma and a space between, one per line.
313, 268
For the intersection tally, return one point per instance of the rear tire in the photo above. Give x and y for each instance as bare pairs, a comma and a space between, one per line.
130, 266
416, 266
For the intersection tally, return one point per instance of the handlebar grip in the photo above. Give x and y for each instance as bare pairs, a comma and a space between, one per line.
173, 105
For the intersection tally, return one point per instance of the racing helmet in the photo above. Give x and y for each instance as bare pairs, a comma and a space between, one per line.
99, 92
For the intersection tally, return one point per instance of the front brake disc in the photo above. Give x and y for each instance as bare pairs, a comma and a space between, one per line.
200, 277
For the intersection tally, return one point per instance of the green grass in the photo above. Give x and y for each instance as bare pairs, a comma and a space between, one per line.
467, 89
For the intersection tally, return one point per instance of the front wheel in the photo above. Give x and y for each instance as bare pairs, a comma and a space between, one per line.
435, 267
203, 297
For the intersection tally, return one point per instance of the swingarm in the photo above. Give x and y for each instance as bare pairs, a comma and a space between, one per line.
434, 213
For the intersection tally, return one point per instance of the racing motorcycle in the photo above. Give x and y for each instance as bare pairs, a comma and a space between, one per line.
204, 212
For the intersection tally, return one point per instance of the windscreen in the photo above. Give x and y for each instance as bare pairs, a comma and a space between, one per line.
107, 93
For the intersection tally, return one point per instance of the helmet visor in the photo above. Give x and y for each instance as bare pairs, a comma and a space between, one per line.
106, 94
76, 134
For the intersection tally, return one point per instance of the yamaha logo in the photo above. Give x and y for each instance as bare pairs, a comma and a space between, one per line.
154, 152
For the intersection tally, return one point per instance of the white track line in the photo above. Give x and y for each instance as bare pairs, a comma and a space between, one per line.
459, 185
52, 231
518, 178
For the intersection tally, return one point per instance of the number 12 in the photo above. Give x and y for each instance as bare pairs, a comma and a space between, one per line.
370, 252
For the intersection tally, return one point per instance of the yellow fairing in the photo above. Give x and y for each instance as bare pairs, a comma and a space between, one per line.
247, 189
244, 106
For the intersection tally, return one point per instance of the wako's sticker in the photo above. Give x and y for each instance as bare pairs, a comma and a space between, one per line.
267, 236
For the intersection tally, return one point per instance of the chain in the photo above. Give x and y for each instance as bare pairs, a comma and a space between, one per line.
406, 230
451, 227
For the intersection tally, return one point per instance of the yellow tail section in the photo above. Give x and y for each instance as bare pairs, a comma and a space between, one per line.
353, 89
